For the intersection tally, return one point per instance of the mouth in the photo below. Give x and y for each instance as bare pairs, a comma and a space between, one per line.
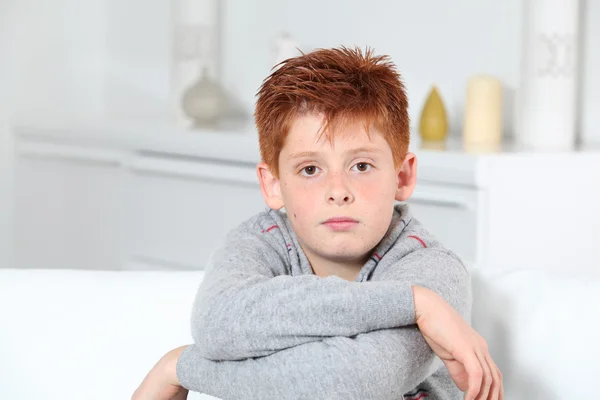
340, 223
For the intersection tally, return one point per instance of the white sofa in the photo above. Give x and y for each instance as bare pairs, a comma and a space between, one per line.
67, 334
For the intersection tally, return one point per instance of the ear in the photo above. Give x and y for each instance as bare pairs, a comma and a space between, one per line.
269, 186
407, 177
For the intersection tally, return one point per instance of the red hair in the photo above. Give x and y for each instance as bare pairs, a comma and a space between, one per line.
343, 84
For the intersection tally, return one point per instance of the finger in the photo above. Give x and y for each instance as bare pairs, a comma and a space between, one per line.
475, 374
486, 378
496, 379
497, 389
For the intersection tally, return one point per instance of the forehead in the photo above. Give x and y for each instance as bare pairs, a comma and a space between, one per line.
306, 134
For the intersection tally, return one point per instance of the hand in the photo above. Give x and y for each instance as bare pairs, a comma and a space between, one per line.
463, 351
161, 382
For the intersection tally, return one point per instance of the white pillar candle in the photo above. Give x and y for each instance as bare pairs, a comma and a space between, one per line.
547, 95
483, 112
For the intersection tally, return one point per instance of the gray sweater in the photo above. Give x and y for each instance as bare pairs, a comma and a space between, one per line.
266, 327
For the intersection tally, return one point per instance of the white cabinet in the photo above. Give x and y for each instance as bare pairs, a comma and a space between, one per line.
95, 207
180, 210
514, 209
68, 207
455, 215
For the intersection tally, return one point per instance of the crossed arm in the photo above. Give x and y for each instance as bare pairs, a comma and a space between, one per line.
257, 333
244, 309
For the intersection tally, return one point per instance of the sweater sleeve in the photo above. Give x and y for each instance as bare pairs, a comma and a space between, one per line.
435, 268
247, 306
382, 364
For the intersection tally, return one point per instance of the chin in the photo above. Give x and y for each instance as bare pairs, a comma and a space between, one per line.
346, 253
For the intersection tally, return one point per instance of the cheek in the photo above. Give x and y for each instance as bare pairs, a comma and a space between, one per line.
300, 200
377, 190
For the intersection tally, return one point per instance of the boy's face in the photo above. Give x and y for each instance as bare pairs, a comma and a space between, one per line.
339, 196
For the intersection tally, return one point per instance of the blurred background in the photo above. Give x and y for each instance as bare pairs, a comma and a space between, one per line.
127, 149
101, 159
115, 57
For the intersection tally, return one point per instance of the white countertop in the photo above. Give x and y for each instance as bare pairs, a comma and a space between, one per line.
237, 142
234, 142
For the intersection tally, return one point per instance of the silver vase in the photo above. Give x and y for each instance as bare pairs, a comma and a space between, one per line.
203, 101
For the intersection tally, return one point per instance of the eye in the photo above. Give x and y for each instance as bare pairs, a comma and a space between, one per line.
362, 167
309, 170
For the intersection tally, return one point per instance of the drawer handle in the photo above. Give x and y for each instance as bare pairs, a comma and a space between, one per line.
194, 170
51, 152
437, 202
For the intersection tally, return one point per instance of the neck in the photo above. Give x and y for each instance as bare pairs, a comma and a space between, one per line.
345, 269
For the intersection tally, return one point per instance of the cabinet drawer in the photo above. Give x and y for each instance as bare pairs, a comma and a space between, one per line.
454, 215
67, 207
180, 211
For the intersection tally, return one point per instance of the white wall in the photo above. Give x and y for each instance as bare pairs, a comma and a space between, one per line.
6, 71
111, 56
59, 57
431, 41
138, 57
52, 62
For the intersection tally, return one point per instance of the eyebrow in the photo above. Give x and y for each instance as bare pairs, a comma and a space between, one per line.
309, 154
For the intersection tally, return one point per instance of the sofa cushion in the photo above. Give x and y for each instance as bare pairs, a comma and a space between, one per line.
65, 333
88, 334
542, 329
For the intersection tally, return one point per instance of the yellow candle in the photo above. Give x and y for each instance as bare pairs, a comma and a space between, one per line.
483, 111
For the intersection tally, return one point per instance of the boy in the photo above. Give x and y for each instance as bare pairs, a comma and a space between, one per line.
344, 295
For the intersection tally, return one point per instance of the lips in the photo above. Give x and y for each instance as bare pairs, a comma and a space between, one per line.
340, 219
340, 223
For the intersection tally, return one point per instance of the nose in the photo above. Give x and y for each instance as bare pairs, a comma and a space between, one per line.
339, 192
